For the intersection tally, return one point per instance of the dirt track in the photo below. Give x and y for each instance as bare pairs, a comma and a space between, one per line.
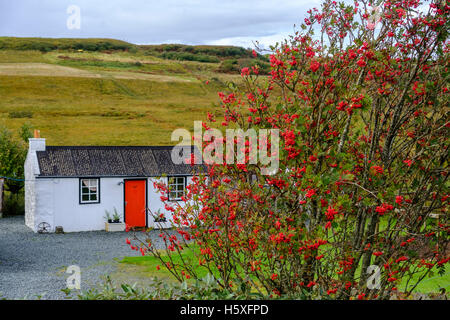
51, 70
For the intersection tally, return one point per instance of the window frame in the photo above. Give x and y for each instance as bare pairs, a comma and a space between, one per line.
176, 184
80, 191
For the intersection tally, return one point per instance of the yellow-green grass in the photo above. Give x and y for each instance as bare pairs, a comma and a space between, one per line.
430, 284
14, 56
98, 98
151, 266
91, 111
120, 60
147, 266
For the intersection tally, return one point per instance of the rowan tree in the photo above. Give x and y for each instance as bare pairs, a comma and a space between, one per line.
360, 97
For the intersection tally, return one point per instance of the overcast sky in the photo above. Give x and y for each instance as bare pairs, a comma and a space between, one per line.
227, 22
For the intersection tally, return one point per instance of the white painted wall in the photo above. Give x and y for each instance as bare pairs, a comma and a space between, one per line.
155, 203
57, 200
57, 203
31, 170
73, 216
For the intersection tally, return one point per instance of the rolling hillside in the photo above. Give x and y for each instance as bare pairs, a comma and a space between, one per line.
109, 92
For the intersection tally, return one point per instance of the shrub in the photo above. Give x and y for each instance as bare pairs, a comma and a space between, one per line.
202, 289
12, 157
236, 65
229, 66
199, 53
48, 44
186, 56
20, 114
14, 204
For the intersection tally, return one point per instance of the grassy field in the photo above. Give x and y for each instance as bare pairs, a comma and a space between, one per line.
104, 111
105, 98
146, 267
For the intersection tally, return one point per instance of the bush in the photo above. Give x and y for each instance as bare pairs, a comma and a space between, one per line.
14, 204
236, 65
199, 53
12, 157
20, 114
202, 289
186, 56
48, 44
362, 163
229, 66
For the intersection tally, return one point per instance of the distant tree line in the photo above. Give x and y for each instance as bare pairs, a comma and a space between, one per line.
216, 51
49, 44
231, 58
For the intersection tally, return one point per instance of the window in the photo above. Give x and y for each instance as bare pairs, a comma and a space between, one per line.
176, 187
89, 190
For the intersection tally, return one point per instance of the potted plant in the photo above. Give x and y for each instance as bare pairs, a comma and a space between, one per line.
113, 222
107, 217
115, 217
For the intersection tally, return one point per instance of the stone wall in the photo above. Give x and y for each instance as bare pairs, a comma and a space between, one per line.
30, 195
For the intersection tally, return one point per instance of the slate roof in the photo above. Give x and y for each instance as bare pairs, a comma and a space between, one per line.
108, 161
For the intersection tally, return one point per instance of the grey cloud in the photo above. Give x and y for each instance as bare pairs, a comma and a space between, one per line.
151, 21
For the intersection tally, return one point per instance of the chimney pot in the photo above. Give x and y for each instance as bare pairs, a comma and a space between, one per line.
36, 143
37, 133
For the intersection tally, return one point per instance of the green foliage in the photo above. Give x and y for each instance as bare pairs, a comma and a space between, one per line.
14, 204
202, 289
229, 66
236, 65
205, 288
50, 44
186, 56
26, 132
12, 154
12, 157
216, 51
357, 175
233, 58
107, 216
20, 114
75, 62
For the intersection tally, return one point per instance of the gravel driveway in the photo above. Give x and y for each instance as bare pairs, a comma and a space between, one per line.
34, 265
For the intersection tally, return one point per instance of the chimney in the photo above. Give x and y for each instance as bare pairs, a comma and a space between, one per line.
37, 143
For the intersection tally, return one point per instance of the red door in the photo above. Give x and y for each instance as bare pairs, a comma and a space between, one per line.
135, 208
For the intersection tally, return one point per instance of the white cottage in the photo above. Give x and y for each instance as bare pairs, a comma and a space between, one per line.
72, 187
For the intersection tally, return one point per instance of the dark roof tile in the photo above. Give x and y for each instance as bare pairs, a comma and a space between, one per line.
100, 161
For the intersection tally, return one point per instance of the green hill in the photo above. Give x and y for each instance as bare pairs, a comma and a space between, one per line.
50, 44
110, 92
233, 58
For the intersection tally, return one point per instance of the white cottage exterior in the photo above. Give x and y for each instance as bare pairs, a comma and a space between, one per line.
73, 187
